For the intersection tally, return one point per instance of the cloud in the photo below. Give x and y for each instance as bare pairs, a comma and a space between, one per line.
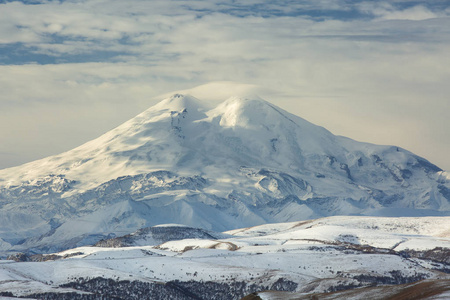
403, 10
375, 71
152, 28
416, 13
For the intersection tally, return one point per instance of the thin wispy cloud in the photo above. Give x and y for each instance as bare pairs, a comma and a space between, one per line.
373, 70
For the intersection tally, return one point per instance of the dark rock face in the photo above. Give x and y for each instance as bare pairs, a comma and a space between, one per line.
22, 257
18, 257
426, 165
159, 235
445, 191
438, 254
51, 185
395, 278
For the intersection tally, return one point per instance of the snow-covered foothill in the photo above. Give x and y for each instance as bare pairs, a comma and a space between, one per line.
313, 256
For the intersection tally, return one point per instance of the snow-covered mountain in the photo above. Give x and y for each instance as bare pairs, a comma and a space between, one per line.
303, 258
245, 162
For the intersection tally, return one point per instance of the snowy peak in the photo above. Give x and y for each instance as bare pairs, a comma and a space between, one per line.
241, 112
177, 106
180, 133
266, 134
243, 163
182, 104
252, 112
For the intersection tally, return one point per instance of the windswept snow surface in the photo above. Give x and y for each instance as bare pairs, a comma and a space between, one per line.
305, 257
243, 163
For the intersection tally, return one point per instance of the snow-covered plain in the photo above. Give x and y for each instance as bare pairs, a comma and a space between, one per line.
245, 162
313, 256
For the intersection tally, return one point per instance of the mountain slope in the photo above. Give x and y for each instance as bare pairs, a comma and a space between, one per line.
242, 163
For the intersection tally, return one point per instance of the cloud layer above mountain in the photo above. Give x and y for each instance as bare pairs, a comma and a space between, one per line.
376, 71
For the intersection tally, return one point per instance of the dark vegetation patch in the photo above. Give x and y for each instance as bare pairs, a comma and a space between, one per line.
101, 288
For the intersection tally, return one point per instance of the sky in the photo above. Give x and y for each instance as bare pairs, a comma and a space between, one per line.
374, 71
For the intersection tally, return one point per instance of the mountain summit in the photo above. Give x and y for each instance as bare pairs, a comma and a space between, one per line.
245, 162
